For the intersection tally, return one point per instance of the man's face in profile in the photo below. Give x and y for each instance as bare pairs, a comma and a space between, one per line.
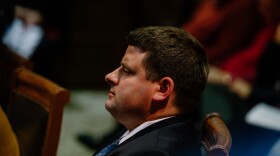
130, 93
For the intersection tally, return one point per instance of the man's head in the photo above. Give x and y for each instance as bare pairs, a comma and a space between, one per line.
172, 52
162, 73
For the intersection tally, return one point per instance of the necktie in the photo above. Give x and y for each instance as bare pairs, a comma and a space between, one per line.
108, 148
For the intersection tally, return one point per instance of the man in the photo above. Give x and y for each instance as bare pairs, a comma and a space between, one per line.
154, 92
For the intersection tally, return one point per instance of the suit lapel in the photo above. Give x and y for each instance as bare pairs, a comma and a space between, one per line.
158, 125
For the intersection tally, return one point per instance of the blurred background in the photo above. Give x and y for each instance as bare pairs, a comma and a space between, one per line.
86, 38
93, 32
76, 43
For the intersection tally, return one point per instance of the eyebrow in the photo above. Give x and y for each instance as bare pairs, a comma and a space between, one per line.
125, 65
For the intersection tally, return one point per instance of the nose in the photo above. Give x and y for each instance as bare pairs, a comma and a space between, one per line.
112, 78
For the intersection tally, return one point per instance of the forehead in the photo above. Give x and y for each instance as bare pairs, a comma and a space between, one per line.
133, 55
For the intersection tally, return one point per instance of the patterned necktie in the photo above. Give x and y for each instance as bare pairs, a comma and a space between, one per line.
108, 148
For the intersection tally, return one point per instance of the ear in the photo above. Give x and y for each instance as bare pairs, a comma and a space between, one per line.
166, 87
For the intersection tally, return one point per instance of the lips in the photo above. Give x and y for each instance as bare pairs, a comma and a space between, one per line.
111, 93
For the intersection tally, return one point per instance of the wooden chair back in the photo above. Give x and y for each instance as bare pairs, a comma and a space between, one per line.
215, 137
36, 113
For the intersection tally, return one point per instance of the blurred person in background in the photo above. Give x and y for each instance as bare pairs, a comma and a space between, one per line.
36, 31
266, 86
25, 32
234, 35
260, 139
241, 40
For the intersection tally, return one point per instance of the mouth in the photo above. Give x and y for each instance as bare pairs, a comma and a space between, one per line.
111, 93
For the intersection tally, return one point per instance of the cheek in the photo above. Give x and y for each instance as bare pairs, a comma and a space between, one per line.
128, 94
135, 95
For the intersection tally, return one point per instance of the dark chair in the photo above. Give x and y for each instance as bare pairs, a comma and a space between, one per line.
215, 136
36, 113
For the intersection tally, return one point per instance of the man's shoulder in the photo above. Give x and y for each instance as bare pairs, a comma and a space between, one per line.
176, 138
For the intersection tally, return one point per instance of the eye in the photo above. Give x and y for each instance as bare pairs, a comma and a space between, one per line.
126, 70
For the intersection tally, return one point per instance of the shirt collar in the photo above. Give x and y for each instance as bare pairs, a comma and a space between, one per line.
129, 134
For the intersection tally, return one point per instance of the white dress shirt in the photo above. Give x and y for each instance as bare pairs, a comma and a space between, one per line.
129, 134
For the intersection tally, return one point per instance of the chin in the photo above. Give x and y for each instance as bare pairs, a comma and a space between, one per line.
108, 106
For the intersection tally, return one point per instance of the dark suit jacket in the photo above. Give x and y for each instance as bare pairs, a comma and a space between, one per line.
171, 137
